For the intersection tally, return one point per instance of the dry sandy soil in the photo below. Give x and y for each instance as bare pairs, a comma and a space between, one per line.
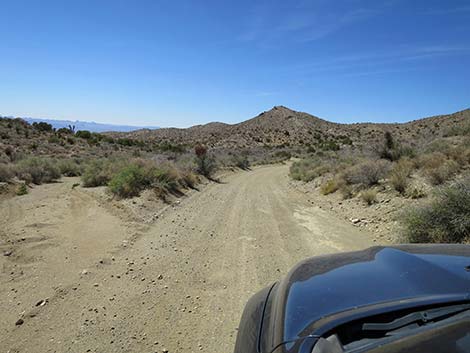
81, 277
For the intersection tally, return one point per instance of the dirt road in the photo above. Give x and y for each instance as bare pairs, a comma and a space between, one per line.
177, 284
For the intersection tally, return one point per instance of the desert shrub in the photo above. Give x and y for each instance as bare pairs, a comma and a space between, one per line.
43, 126
329, 187
444, 220
95, 174
189, 179
54, 139
167, 179
442, 173
430, 160
6, 172
38, 170
460, 154
458, 130
367, 173
369, 196
206, 164
392, 150
69, 167
85, 134
170, 147
283, 155
308, 169
347, 191
11, 153
64, 131
330, 146
129, 181
241, 161
399, 175
22, 190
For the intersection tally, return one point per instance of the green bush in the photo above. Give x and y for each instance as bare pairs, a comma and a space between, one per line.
444, 220
22, 190
129, 182
43, 126
38, 170
84, 134
54, 139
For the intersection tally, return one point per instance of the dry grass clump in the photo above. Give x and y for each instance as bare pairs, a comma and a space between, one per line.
330, 186
369, 196
441, 173
400, 174
416, 192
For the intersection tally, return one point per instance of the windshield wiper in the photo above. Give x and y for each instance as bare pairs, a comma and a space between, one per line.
417, 317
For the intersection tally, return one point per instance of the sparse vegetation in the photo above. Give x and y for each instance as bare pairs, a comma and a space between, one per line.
129, 181
69, 167
5, 172
416, 192
369, 196
444, 220
400, 174
329, 187
367, 173
22, 190
37, 170
441, 173
206, 164
241, 161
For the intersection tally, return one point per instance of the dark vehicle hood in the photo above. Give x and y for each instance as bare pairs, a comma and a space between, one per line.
320, 292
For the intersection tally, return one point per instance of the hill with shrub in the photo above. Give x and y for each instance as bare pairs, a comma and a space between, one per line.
360, 162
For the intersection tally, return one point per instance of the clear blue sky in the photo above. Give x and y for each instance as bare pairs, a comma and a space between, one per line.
179, 63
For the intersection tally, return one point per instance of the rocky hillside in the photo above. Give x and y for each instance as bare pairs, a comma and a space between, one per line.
282, 126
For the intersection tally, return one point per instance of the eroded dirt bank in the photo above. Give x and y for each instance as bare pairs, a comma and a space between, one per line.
178, 284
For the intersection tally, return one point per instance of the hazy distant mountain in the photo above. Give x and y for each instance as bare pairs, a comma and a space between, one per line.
89, 125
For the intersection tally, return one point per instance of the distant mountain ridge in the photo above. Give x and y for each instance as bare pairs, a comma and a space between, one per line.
89, 125
284, 127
